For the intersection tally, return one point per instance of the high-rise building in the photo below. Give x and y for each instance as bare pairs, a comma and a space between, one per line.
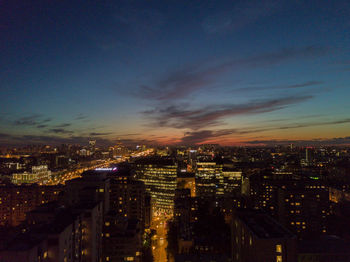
127, 198
94, 185
207, 175
159, 176
229, 182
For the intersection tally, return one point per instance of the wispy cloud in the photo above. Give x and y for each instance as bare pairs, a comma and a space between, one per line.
63, 125
60, 131
100, 133
182, 83
257, 88
31, 120
197, 137
41, 126
180, 117
315, 142
80, 117
305, 84
9, 139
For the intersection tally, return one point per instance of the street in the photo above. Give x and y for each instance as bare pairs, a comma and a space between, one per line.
159, 240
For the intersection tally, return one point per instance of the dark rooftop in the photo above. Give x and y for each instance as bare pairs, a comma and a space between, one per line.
262, 225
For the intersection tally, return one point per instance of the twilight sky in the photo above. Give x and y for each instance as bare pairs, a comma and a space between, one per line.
175, 72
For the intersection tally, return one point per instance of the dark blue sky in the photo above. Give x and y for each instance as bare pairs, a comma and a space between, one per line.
229, 72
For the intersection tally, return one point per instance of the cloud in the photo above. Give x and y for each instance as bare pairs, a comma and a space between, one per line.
60, 131
180, 117
197, 137
48, 140
41, 126
99, 134
314, 142
80, 117
63, 125
31, 120
290, 86
181, 83
305, 84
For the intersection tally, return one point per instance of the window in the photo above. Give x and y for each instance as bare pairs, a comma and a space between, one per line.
278, 258
279, 248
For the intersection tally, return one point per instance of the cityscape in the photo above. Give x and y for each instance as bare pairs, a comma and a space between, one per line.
174, 131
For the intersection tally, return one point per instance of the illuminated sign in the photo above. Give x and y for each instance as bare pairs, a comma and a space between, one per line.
106, 169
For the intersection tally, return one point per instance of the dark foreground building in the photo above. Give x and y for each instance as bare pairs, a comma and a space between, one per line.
256, 237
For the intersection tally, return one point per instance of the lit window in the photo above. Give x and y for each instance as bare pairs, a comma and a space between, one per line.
278, 258
107, 224
107, 258
130, 259
279, 248
101, 190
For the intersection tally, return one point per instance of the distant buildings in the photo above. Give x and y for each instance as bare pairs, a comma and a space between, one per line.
16, 201
226, 204
214, 180
299, 203
39, 174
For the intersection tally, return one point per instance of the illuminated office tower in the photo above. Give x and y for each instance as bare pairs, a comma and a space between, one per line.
229, 183
207, 176
159, 176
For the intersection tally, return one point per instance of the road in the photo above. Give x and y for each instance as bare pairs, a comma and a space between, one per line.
159, 241
62, 177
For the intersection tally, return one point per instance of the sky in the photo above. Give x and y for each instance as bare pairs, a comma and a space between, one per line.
175, 72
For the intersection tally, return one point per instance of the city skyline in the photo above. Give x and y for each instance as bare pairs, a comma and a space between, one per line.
242, 73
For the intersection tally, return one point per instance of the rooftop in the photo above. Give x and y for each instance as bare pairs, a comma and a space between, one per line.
262, 225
